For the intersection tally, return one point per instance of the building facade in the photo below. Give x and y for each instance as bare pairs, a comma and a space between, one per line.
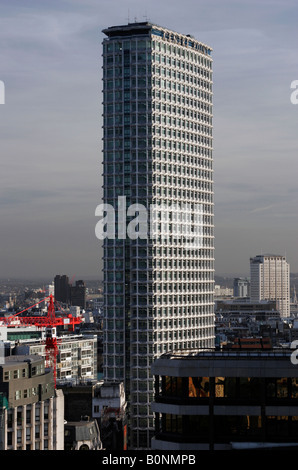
62, 288
109, 408
226, 400
158, 178
241, 287
76, 359
32, 411
78, 294
270, 280
101, 401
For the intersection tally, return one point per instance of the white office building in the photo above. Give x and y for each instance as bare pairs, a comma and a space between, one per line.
159, 262
270, 280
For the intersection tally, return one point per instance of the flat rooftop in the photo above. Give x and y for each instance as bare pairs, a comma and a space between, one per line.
22, 358
231, 363
214, 353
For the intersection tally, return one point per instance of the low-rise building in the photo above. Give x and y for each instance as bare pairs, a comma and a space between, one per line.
76, 359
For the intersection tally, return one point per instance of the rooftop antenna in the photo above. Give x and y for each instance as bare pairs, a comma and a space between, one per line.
128, 19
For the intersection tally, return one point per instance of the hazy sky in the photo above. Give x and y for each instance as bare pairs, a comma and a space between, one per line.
50, 127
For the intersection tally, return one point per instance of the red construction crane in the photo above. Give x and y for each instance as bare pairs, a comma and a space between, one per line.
49, 322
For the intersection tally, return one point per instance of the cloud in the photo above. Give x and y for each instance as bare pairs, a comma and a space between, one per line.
262, 209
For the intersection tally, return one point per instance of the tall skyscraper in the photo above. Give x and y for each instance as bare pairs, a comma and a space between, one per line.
158, 178
270, 280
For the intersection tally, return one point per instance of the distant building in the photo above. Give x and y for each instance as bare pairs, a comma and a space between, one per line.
223, 292
225, 400
31, 410
270, 280
241, 287
62, 289
69, 294
78, 294
236, 308
50, 289
294, 304
240, 318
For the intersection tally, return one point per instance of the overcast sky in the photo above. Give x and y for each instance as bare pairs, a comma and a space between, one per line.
50, 128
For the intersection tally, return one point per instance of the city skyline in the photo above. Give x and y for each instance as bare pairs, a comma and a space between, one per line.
51, 129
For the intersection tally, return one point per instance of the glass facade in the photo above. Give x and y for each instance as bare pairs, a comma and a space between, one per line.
248, 388
157, 143
226, 429
262, 396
